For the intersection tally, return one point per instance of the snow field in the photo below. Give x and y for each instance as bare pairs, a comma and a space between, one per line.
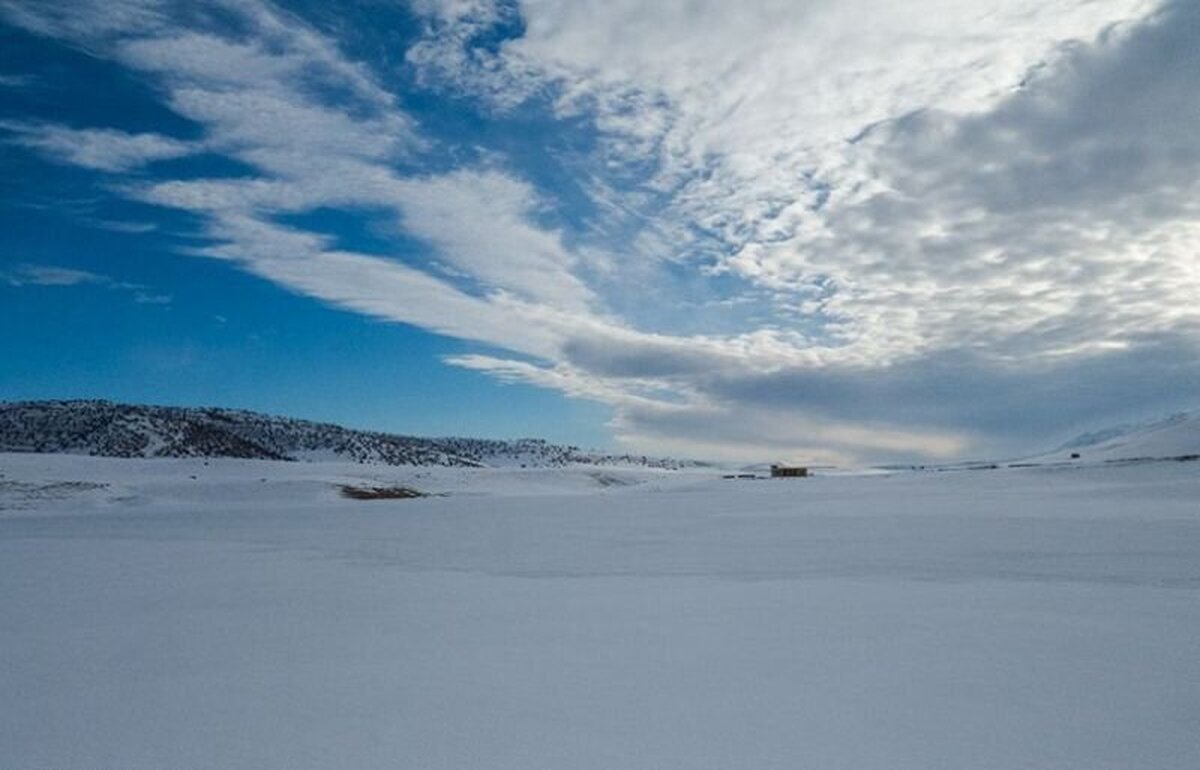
1033, 618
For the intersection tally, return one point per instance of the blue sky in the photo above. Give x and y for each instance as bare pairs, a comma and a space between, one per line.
822, 231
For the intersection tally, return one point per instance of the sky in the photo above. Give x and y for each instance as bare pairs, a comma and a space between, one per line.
829, 231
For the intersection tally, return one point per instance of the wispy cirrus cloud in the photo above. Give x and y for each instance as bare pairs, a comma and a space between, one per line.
55, 276
100, 149
16, 80
49, 275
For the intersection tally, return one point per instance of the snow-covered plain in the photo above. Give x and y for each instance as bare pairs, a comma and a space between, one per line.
250, 617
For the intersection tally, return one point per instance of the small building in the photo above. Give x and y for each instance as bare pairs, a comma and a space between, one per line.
788, 471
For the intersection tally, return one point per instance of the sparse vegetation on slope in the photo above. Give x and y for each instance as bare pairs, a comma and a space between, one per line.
106, 429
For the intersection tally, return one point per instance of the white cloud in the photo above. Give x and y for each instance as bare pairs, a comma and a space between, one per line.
15, 80
83, 22
1061, 222
752, 116
123, 226
254, 97
146, 298
96, 148
740, 103
694, 422
57, 277
481, 223
49, 275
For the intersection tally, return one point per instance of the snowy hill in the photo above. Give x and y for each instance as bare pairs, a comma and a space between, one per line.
105, 429
1175, 437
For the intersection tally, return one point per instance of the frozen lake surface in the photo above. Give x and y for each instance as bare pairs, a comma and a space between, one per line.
249, 617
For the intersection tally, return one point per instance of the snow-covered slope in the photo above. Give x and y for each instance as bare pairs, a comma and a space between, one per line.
1173, 438
106, 429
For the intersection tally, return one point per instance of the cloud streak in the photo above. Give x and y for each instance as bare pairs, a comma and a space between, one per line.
98, 149
57, 277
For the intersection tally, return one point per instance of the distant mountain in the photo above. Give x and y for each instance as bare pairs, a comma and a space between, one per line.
1177, 436
106, 429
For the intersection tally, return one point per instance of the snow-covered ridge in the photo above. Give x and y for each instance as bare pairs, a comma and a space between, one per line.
106, 429
1174, 437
